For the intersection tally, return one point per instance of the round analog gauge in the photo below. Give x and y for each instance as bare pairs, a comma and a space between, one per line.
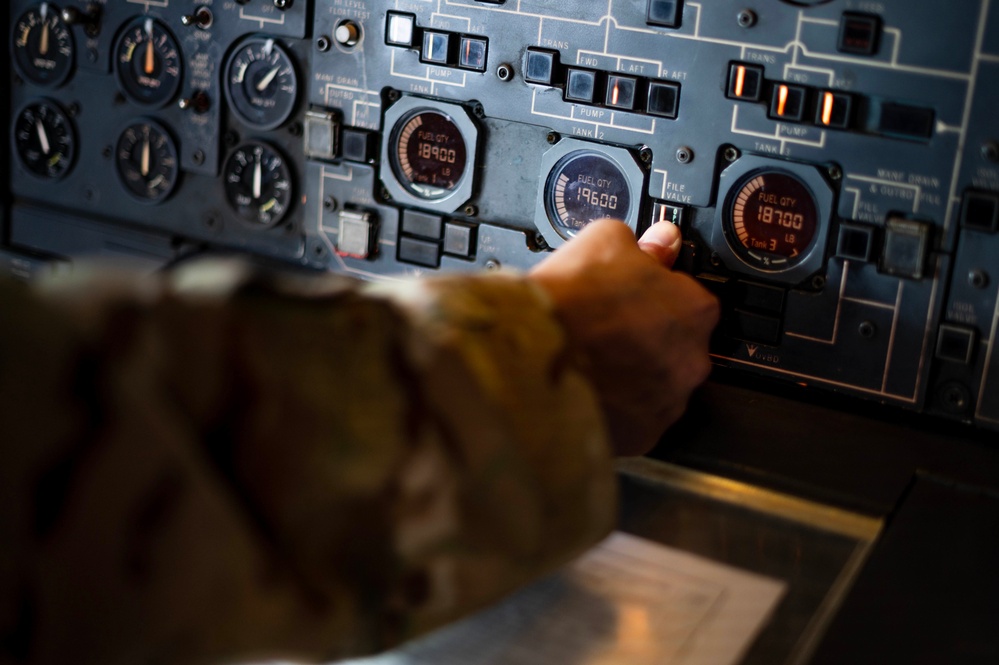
772, 219
258, 183
261, 84
583, 187
148, 63
146, 160
429, 156
45, 140
43, 46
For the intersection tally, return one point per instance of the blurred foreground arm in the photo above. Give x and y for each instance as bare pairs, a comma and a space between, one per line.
211, 468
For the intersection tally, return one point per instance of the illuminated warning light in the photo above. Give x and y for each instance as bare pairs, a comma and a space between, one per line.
834, 110
788, 103
621, 92
745, 82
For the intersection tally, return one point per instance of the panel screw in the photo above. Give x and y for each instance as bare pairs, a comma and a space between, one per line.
283, 4
504, 72
730, 154
330, 203
198, 157
990, 151
715, 259
107, 152
295, 129
552, 138
684, 155
746, 18
645, 154
867, 330
819, 282
493, 264
470, 210
835, 173
393, 95
978, 279
323, 43
954, 397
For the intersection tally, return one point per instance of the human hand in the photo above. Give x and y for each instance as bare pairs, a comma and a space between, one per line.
643, 329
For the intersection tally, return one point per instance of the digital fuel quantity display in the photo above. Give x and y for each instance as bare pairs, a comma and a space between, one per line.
773, 219
583, 187
430, 156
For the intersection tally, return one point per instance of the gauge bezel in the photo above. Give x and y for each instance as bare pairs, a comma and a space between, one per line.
19, 67
396, 117
289, 172
230, 96
176, 154
734, 255
560, 155
158, 102
74, 135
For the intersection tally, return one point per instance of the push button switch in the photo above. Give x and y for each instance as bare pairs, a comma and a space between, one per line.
472, 54
787, 103
419, 252
859, 34
459, 240
855, 242
621, 92
539, 66
834, 110
980, 211
400, 29
664, 99
666, 13
421, 224
745, 82
581, 86
906, 245
907, 122
956, 343
436, 47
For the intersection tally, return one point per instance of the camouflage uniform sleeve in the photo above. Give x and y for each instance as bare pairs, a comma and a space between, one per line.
290, 467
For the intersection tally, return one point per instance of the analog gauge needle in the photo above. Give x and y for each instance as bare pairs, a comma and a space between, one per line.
43, 46
144, 167
43, 138
150, 56
257, 172
266, 81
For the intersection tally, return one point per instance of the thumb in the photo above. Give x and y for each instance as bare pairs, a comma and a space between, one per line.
662, 242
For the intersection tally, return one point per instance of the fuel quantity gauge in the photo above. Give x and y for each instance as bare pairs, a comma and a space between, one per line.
45, 140
261, 84
258, 184
148, 63
43, 46
146, 161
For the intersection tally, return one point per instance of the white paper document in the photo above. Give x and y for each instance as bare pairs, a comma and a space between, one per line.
628, 601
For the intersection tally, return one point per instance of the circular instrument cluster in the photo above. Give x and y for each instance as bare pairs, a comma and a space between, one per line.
45, 140
585, 182
43, 46
773, 220
146, 161
261, 84
148, 63
430, 154
258, 183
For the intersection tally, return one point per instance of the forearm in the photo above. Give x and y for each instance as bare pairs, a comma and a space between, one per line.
262, 473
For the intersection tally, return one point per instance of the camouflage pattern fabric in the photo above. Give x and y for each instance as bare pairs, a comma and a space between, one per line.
216, 466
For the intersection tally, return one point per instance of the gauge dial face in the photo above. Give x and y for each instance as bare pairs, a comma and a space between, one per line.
261, 83
583, 187
773, 219
146, 160
258, 183
148, 63
45, 140
430, 156
43, 46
